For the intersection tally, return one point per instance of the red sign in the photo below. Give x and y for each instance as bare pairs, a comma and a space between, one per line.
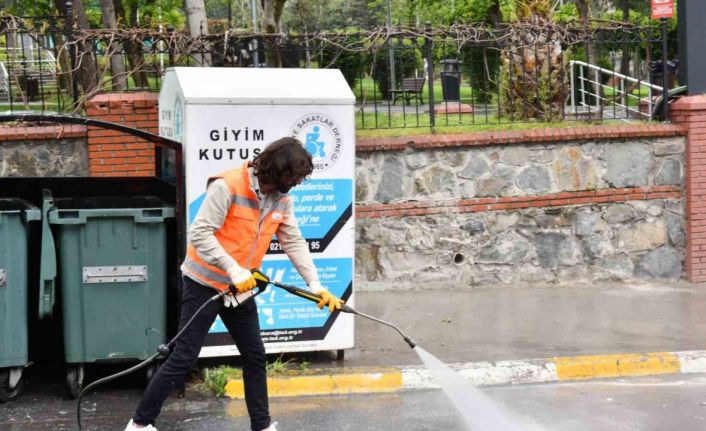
662, 9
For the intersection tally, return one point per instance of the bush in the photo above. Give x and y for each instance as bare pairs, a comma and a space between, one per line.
351, 64
483, 80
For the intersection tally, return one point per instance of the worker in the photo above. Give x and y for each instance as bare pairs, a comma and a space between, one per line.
232, 231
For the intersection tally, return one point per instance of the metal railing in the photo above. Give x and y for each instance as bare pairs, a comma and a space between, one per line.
4, 84
497, 80
617, 104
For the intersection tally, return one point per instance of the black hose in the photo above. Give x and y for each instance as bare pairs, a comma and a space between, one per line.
162, 350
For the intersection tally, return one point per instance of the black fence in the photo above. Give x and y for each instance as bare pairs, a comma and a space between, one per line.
403, 77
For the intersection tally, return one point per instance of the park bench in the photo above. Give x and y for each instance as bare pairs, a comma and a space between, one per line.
411, 88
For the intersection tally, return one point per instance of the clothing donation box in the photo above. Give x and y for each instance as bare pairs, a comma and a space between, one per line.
224, 117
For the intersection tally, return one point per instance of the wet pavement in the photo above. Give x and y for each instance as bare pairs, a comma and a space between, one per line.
457, 325
639, 404
491, 324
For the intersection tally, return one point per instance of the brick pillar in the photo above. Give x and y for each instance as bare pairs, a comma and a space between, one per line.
115, 154
691, 112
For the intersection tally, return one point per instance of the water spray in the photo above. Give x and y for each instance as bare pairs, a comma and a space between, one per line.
477, 410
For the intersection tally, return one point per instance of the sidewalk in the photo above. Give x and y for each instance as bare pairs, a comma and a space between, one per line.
501, 335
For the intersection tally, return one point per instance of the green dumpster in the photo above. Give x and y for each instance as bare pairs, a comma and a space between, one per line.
113, 278
14, 239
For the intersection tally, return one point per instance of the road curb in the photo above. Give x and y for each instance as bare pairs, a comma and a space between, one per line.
558, 369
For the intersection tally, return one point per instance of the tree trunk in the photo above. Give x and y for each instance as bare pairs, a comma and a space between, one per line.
117, 67
625, 59
62, 55
85, 56
584, 9
133, 50
10, 36
272, 13
533, 75
495, 14
198, 25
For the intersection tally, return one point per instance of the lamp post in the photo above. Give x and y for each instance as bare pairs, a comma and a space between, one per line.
253, 7
390, 49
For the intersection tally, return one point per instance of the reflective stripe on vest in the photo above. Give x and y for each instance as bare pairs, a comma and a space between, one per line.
245, 201
244, 235
195, 268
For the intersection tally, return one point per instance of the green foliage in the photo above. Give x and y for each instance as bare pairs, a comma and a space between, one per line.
351, 64
642, 18
481, 66
445, 12
523, 10
31, 8
314, 15
94, 17
278, 366
215, 379
567, 13
479, 10
165, 12
171, 11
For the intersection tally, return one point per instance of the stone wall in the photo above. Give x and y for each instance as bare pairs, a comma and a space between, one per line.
43, 151
521, 213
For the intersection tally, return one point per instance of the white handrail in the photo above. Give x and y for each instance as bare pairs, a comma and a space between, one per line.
616, 74
584, 81
4, 81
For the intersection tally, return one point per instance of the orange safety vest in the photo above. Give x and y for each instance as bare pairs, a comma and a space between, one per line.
245, 234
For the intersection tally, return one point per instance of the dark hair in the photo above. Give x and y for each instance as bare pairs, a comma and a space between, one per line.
283, 158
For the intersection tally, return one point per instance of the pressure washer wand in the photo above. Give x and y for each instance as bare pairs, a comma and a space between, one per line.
344, 307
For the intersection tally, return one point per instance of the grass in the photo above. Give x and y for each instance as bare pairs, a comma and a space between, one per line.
610, 93
32, 106
411, 119
469, 128
216, 378
278, 366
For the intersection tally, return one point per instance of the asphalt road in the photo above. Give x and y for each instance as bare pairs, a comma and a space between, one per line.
676, 402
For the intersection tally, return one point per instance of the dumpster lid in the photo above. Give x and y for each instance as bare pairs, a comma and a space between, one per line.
258, 86
110, 202
14, 205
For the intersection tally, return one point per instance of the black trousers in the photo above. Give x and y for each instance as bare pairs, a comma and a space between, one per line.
243, 326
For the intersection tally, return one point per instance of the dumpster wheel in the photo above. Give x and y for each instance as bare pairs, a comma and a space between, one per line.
8, 393
74, 381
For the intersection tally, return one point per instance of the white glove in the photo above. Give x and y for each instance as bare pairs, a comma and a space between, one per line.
244, 282
231, 300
